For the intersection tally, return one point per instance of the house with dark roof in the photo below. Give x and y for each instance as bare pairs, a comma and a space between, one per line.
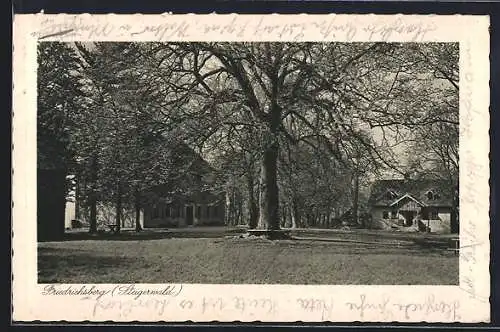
191, 199
418, 205
195, 209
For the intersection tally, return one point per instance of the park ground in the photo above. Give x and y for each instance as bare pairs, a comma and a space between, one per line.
220, 255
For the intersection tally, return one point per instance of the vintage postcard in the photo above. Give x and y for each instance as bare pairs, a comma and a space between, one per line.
272, 168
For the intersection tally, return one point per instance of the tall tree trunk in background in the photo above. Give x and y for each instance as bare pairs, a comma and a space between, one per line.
234, 206
118, 214
295, 213
137, 196
93, 212
309, 218
355, 203
269, 201
228, 207
328, 213
282, 216
240, 211
455, 213
77, 197
253, 209
93, 196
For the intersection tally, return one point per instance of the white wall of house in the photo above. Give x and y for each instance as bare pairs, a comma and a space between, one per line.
438, 226
69, 214
445, 216
378, 221
441, 225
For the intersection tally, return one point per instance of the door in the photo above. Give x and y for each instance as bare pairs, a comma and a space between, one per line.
409, 216
189, 215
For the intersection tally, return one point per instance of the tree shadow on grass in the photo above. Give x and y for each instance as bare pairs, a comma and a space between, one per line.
432, 243
54, 267
150, 234
373, 235
414, 247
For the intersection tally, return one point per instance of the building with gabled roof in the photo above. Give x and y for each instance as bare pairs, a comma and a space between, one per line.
191, 199
190, 195
419, 205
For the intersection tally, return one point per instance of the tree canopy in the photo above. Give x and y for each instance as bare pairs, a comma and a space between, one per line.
288, 126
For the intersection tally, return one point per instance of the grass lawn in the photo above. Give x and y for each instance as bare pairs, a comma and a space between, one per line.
357, 260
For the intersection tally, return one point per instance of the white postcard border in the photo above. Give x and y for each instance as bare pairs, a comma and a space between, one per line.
468, 302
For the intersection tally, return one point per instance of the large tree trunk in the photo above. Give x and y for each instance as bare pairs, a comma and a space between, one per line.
269, 201
93, 196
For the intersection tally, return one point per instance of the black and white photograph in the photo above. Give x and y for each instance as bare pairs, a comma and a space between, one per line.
249, 168
258, 162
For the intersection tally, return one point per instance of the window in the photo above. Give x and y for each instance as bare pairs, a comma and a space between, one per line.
207, 212
431, 195
154, 213
385, 215
394, 214
215, 211
167, 211
198, 212
433, 215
